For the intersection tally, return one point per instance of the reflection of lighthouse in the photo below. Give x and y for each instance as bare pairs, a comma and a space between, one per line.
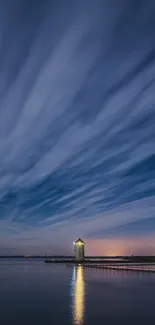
78, 291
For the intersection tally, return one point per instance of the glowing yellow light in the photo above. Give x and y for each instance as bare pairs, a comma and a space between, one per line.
78, 301
79, 243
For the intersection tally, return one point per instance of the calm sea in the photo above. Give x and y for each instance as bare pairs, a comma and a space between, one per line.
32, 292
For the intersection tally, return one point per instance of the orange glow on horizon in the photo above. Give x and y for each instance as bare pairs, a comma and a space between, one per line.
120, 247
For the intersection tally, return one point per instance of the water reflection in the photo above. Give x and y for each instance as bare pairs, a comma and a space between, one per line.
78, 295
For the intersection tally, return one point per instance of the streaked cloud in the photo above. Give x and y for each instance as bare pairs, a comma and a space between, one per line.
76, 120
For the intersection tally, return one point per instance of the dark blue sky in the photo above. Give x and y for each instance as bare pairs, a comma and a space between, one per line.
77, 125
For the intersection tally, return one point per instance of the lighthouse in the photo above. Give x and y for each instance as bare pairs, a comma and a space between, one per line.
79, 250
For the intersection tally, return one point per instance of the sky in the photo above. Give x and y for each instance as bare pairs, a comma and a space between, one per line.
77, 126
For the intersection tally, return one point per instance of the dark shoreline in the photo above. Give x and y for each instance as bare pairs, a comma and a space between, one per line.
72, 257
88, 259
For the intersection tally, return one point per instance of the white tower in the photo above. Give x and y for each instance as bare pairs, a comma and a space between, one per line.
79, 250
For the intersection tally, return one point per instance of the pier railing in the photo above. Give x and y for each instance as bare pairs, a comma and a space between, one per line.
145, 268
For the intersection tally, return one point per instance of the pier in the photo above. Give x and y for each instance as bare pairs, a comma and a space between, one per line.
145, 265
104, 260
145, 268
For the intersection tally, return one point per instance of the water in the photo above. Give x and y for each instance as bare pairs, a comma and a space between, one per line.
32, 292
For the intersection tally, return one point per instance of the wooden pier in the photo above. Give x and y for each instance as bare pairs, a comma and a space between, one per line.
145, 264
143, 268
128, 268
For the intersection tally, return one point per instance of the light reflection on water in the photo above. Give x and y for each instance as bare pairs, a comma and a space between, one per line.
78, 295
36, 293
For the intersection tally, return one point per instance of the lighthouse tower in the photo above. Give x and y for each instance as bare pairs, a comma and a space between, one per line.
79, 250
